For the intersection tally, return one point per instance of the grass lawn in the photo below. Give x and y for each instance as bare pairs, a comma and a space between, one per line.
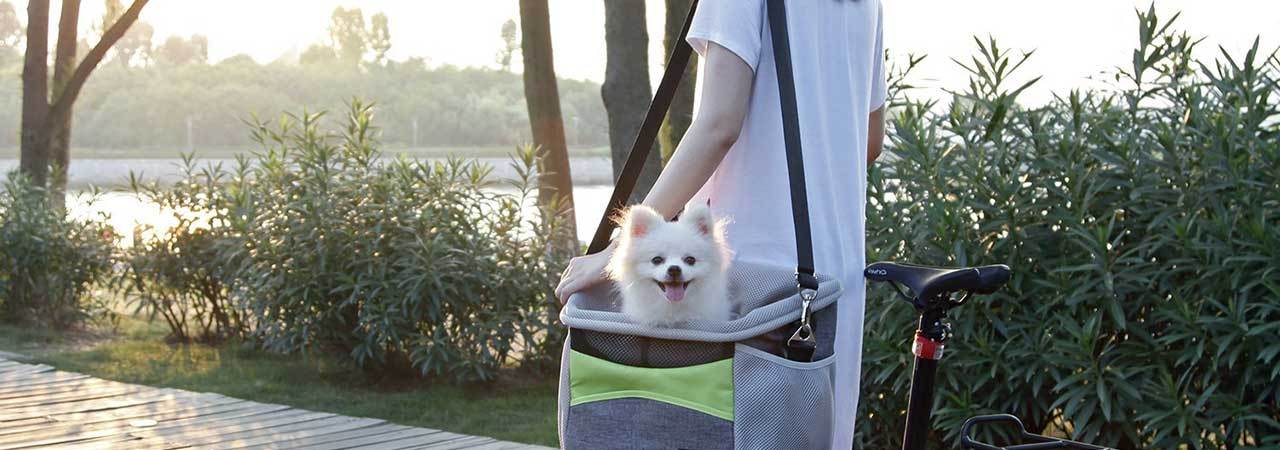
516, 408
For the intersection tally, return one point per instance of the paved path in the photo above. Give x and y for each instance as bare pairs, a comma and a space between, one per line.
44, 408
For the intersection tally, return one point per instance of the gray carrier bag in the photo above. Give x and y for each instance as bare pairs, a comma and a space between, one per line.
760, 381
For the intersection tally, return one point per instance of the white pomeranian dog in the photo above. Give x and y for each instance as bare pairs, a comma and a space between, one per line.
671, 272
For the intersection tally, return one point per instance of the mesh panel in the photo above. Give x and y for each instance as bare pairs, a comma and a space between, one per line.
640, 351
754, 286
780, 403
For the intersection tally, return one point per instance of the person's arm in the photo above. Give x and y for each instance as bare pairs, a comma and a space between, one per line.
875, 135
713, 131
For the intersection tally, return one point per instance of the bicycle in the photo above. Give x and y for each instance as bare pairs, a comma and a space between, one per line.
933, 292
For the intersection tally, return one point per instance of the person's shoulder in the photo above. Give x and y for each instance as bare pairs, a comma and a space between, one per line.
735, 25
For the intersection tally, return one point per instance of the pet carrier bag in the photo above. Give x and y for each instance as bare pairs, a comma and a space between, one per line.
762, 380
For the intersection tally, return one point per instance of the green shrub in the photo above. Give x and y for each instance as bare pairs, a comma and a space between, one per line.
400, 263
49, 262
176, 273
1143, 227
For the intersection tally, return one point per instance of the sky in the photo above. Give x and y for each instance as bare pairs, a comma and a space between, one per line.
1073, 40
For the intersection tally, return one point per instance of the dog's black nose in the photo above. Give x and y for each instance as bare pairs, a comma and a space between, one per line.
673, 271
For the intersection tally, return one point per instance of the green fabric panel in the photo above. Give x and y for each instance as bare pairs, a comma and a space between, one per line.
706, 388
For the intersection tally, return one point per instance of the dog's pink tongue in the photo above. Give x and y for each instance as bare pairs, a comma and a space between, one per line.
674, 291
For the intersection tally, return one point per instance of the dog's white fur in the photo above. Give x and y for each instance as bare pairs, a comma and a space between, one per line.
653, 253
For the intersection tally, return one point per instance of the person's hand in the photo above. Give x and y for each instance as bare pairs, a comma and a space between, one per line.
583, 272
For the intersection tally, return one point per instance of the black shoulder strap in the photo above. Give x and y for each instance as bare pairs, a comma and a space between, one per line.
791, 136
790, 129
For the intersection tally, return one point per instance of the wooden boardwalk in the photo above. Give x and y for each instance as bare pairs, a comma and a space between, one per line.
44, 408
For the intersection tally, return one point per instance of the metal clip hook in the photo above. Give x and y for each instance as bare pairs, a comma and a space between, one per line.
802, 344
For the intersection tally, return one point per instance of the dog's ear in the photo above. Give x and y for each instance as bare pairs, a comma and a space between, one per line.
640, 220
699, 217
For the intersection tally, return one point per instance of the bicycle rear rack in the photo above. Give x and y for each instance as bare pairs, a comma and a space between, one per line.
1038, 442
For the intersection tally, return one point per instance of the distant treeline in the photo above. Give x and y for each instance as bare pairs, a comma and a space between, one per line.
149, 107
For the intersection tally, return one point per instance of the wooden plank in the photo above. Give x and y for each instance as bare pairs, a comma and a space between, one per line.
350, 439
41, 379
50, 392
25, 376
464, 442
490, 445
24, 371
143, 397
105, 439
500, 445
61, 441
181, 401
436, 439
71, 397
505, 445
59, 397
10, 356
173, 411
25, 411
8, 392
312, 438
32, 391
313, 428
185, 435
196, 431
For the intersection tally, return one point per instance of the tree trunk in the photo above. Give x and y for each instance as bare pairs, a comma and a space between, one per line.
626, 91
59, 128
542, 96
35, 93
681, 113
58, 124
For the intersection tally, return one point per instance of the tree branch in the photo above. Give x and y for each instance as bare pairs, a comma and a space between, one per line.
64, 59
69, 92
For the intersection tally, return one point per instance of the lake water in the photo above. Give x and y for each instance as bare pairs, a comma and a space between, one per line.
125, 211
109, 173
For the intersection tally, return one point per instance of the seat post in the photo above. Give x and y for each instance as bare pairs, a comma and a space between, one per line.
931, 334
932, 289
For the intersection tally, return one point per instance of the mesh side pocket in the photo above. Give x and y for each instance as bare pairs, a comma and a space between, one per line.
780, 403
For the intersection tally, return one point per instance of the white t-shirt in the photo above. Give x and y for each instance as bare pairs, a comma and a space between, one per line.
837, 57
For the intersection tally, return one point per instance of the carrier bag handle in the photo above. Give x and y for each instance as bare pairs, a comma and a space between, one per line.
802, 343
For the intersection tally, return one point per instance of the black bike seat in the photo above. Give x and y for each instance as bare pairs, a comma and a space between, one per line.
928, 282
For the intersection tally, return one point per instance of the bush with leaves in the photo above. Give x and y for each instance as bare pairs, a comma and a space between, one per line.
323, 245
1142, 223
176, 273
49, 262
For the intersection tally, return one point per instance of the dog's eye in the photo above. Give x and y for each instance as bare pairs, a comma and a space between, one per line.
657, 260
689, 260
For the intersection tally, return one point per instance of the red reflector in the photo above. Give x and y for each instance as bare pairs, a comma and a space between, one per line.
927, 348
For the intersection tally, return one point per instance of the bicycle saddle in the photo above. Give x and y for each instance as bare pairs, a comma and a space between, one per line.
929, 282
